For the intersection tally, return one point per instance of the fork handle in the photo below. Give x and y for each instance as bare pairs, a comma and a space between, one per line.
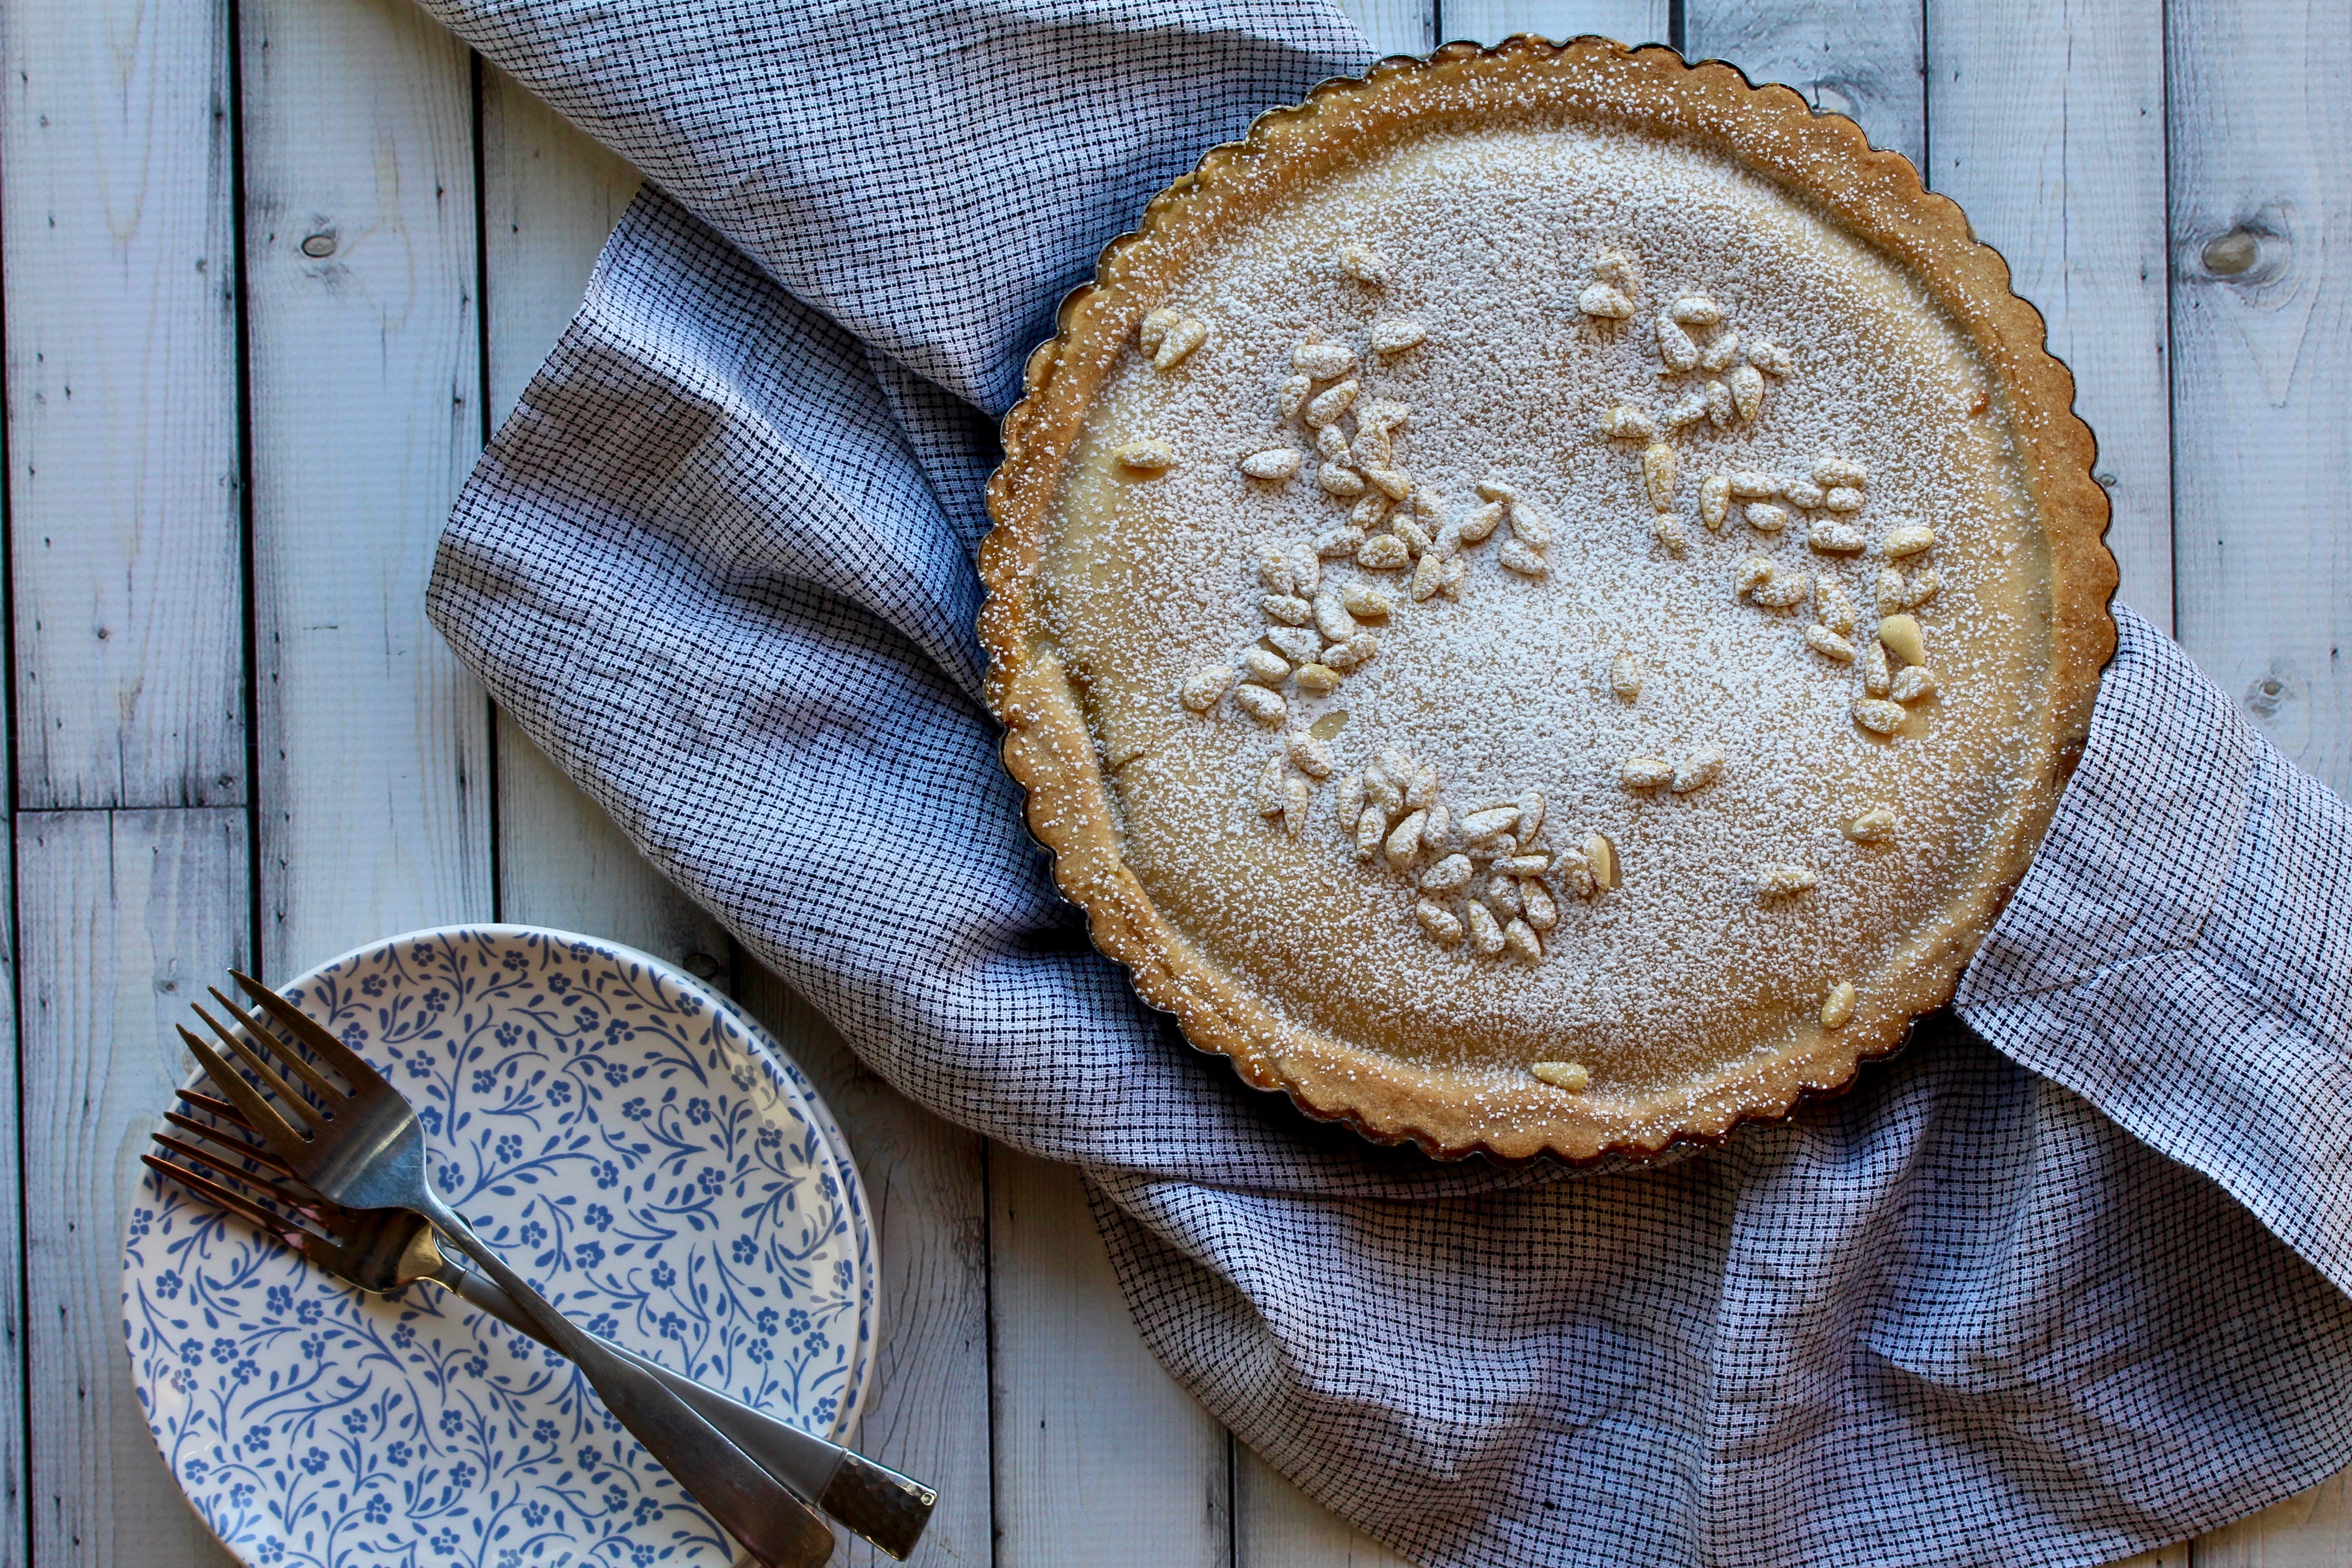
757, 1509
886, 1507
802, 1461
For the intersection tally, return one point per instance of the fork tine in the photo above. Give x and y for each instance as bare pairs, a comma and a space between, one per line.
247, 1098
289, 1192
212, 1105
239, 1147
252, 1025
226, 1116
311, 1033
286, 1092
280, 1228
210, 1158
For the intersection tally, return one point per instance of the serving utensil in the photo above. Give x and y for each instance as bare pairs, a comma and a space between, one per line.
364, 1147
383, 1251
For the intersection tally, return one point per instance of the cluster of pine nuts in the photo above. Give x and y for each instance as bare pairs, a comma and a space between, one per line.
1483, 879
1313, 636
1834, 486
1892, 662
1692, 339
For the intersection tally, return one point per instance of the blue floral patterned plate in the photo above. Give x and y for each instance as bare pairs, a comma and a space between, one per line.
632, 1142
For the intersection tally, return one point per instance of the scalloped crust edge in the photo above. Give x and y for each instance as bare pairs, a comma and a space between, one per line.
1048, 746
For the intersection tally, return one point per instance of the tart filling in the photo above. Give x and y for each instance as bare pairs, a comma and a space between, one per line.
1544, 599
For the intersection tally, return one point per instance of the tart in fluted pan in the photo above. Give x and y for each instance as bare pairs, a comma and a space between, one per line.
1543, 600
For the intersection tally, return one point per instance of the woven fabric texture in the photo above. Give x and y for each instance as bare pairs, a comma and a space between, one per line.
2058, 1283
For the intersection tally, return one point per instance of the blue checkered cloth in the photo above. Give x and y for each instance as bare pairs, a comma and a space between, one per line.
2064, 1280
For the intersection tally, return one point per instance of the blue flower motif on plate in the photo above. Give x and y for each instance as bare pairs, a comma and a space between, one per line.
629, 1140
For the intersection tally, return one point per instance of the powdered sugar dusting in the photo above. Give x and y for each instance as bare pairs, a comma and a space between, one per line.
1865, 410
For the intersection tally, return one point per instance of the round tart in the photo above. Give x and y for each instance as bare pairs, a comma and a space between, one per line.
1544, 600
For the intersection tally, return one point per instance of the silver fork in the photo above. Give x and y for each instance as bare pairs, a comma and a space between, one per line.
365, 1149
386, 1250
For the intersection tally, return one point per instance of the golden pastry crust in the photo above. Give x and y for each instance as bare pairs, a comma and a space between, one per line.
1823, 163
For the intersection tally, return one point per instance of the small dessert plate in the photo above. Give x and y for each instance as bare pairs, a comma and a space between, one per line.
636, 1144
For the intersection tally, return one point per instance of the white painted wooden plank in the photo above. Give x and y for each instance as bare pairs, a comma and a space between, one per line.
15, 1523
127, 917
1492, 21
2262, 397
562, 863
1276, 1525
551, 198
1860, 59
2175, 1556
2262, 386
1100, 1455
2051, 137
122, 397
374, 799
551, 195
1394, 26
927, 1403
2310, 1531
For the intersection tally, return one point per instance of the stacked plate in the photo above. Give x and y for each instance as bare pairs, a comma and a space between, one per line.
631, 1141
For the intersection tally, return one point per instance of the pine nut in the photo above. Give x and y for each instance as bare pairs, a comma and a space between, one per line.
1746, 391
1603, 303
1321, 361
1340, 481
1330, 403
1646, 773
1440, 923
1364, 265
1205, 688
1901, 635
1658, 474
1715, 502
1267, 707
1183, 338
1626, 423
1697, 770
1674, 345
1873, 825
1625, 676
1263, 669
1829, 645
1485, 936
1877, 715
1906, 541
1778, 879
1274, 463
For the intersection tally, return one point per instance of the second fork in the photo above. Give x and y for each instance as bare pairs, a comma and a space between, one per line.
384, 1250
363, 1145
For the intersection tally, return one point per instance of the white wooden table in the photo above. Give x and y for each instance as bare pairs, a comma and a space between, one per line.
273, 268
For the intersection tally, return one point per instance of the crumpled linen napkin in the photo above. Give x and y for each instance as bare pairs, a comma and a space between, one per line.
2065, 1280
